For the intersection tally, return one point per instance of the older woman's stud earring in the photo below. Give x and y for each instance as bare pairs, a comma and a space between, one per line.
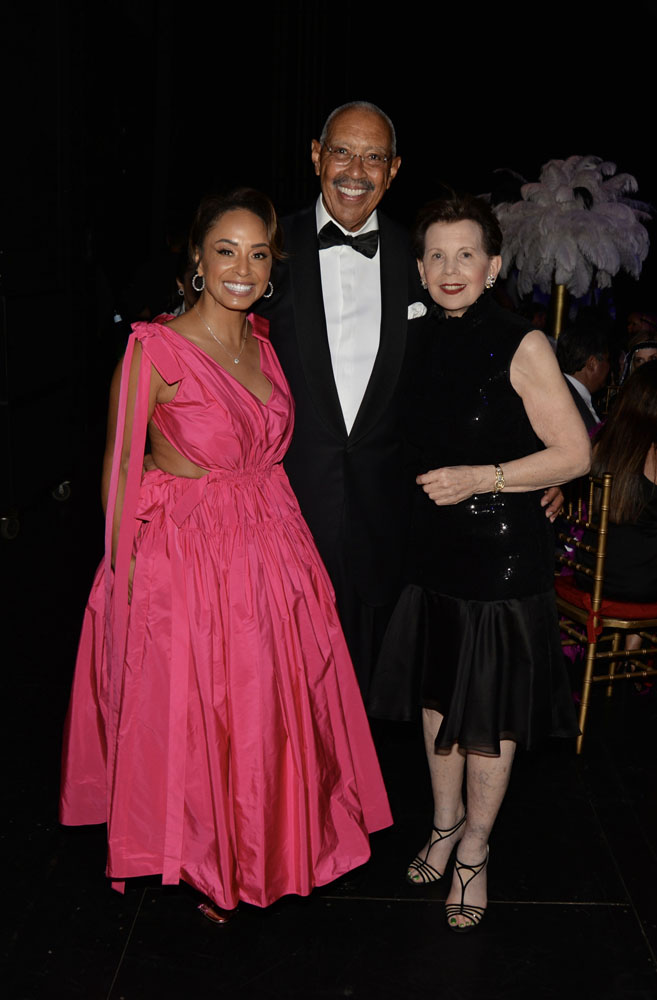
423, 282
490, 281
270, 291
198, 288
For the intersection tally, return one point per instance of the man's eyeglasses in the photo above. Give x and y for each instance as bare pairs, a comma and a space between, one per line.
342, 156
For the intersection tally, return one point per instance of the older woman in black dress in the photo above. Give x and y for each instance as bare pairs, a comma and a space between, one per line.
489, 423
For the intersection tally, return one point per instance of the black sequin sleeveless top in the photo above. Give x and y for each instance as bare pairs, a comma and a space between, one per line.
459, 408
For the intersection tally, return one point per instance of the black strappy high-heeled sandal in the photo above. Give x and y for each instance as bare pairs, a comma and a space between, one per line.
420, 866
475, 914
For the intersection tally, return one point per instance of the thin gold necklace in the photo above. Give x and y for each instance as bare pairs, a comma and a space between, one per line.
236, 360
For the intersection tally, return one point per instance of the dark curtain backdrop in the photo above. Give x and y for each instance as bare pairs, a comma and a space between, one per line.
120, 116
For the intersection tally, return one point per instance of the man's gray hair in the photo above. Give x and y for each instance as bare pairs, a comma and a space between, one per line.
361, 106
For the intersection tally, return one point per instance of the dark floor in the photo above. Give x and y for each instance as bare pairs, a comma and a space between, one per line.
572, 878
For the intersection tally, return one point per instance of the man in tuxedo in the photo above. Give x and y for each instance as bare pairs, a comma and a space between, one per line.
338, 318
583, 356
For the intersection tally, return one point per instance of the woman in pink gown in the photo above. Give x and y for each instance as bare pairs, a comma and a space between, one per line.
215, 721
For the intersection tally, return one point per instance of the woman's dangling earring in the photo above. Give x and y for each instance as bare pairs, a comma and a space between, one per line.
268, 294
194, 285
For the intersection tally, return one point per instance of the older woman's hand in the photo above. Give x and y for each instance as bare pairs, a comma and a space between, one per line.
552, 501
452, 484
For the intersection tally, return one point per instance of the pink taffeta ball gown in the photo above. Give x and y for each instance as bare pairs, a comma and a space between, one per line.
215, 721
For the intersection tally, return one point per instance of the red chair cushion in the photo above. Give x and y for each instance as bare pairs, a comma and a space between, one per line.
566, 589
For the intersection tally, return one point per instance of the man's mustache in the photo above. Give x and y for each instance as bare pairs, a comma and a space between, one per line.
345, 181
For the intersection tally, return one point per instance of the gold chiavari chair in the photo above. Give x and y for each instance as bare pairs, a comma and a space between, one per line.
592, 621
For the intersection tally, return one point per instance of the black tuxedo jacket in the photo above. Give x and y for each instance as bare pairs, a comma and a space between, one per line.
589, 420
349, 486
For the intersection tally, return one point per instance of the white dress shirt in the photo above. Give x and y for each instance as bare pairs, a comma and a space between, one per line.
351, 289
584, 393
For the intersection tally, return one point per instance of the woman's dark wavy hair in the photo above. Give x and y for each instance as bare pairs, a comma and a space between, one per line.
212, 207
622, 444
459, 208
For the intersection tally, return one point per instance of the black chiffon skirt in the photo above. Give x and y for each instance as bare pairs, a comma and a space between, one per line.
493, 669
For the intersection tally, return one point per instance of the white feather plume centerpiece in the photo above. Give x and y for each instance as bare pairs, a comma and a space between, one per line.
576, 226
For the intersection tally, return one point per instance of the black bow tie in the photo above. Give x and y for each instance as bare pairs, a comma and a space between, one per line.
366, 243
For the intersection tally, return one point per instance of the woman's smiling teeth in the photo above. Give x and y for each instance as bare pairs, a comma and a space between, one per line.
237, 288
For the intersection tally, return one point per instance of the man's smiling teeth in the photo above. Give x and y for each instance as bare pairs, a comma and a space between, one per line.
234, 286
351, 192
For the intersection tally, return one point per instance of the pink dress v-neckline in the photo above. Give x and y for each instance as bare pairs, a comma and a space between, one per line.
227, 371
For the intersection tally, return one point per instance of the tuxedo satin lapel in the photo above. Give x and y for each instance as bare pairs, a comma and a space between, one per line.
394, 313
309, 318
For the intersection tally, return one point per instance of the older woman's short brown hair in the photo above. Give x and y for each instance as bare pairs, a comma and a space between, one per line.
459, 208
212, 207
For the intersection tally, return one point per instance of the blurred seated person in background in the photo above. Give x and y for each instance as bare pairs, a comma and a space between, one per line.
626, 446
641, 321
583, 356
641, 348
